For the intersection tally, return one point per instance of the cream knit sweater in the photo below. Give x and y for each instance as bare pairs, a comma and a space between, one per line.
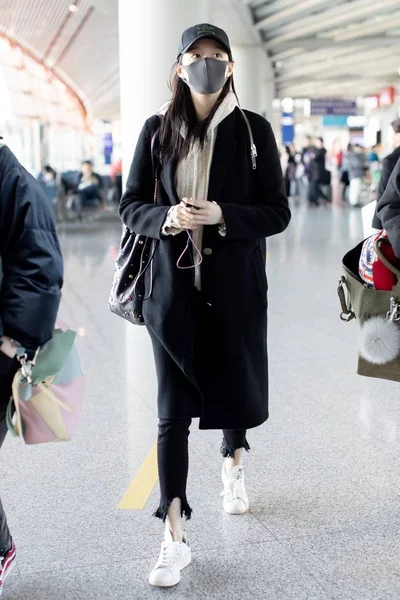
192, 176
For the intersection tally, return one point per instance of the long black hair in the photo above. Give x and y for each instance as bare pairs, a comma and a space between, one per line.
181, 112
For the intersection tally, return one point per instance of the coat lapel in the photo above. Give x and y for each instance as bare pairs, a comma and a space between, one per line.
167, 177
225, 146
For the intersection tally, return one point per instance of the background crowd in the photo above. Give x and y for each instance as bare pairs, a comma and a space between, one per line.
362, 173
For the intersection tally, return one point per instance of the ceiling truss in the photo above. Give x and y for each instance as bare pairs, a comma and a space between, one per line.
346, 47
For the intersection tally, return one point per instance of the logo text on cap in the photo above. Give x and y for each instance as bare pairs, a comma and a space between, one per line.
205, 29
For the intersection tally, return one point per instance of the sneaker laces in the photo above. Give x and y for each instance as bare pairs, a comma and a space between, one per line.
169, 554
232, 487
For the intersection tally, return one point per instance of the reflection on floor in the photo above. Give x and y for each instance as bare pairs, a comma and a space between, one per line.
323, 475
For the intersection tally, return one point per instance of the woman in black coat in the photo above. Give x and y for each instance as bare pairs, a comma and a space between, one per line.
220, 194
290, 171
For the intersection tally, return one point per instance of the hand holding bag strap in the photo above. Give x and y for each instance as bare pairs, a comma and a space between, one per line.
16, 399
382, 257
9, 419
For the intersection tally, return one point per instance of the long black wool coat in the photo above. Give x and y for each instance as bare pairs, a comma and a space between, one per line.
234, 395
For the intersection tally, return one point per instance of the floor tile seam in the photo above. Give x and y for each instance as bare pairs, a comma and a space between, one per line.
76, 294
108, 380
64, 570
145, 402
204, 463
322, 582
293, 556
313, 398
148, 429
147, 557
290, 320
17, 562
330, 580
320, 531
369, 504
315, 533
331, 532
340, 414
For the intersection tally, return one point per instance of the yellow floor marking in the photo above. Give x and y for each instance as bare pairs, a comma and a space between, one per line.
142, 484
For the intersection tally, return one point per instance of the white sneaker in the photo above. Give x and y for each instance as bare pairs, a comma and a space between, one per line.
236, 501
174, 557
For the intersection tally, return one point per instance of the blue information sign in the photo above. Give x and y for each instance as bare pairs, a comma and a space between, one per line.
108, 144
333, 106
287, 122
335, 121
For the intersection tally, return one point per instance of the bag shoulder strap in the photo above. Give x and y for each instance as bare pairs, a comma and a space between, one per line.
253, 147
153, 161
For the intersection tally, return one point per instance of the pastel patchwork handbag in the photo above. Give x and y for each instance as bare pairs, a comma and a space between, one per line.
47, 392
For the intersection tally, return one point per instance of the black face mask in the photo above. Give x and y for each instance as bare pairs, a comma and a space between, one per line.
206, 76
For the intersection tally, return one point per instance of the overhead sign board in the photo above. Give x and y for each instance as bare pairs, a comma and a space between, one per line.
287, 122
358, 122
333, 106
352, 122
334, 121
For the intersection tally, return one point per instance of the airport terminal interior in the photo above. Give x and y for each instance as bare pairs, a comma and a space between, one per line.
77, 81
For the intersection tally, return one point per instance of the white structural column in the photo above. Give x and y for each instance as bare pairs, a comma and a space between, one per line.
149, 33
267, 86
253, 78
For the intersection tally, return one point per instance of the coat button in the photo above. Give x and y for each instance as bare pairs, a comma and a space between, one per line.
207, 251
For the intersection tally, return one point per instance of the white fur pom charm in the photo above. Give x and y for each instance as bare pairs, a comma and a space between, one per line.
380, 340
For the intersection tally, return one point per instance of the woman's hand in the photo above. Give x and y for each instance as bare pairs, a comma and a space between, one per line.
8, 346
200, 212
180, 219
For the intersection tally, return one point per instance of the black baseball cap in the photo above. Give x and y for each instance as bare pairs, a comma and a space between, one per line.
200, 32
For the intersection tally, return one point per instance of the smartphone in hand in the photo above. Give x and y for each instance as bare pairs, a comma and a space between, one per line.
191, 205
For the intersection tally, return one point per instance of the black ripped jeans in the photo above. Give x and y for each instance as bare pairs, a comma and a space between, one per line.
173, 460
173, 434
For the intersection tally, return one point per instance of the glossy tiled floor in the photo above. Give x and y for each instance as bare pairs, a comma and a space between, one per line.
323, 475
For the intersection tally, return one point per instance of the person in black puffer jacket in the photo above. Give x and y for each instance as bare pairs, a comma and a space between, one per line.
388, 210
31, 275
388, 164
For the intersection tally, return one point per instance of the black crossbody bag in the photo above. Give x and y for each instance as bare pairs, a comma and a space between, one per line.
135, 258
